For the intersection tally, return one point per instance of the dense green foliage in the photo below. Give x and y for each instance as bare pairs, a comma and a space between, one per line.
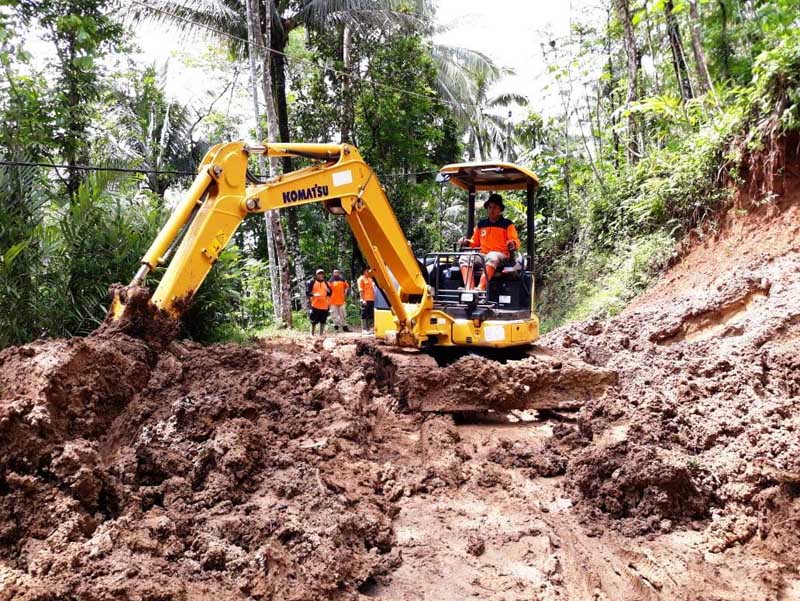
620, 216
625, 170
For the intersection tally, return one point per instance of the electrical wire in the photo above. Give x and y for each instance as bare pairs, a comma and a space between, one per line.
157, 171
93, 168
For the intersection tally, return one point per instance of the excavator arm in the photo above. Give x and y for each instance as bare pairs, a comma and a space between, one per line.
221, 197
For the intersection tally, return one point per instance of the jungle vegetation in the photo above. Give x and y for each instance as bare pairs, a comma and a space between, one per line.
662, 108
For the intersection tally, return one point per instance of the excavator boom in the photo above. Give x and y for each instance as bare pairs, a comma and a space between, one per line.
220, 198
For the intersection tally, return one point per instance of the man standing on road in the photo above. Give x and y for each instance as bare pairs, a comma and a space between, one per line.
366, 292
339, 288
319, 292
496, 237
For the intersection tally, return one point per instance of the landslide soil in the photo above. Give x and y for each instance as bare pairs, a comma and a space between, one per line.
661, 461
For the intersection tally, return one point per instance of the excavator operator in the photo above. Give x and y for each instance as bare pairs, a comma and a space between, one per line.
496, 237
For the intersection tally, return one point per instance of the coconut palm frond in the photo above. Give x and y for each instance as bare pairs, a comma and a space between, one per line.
383, 20
471, 60
508, 99
456, 80
461, 110
316, 13
219, 18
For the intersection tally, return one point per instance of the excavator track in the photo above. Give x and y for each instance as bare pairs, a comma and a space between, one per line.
534, 378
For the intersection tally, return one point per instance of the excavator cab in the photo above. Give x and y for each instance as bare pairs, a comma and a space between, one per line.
503, 315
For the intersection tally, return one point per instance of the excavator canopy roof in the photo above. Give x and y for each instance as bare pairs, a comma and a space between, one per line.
488, 177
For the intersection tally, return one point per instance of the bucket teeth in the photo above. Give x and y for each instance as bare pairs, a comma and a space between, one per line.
119, 299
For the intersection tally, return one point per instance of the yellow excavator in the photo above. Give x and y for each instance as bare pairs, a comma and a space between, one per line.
421, 302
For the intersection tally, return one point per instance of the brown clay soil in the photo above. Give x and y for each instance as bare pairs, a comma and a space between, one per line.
662, 460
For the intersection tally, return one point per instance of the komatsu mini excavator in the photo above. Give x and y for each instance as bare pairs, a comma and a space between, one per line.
422, 302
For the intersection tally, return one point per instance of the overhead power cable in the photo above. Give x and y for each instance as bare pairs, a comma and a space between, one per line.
156, 171
93, 168
451, 103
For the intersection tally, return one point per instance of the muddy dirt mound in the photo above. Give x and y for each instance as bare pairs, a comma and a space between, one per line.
216, 472
540, 380
547, 462
646, 489
703, 419
139, 319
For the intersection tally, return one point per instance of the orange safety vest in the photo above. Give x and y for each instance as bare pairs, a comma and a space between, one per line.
339, 288
320, 295
492, 237
366, 288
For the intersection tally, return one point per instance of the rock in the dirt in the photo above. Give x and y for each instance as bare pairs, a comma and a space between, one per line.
476, 546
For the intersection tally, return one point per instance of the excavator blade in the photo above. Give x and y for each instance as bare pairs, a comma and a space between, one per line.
128, 302
536, 379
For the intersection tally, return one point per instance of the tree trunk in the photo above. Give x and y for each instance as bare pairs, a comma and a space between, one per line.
479, 143
341, 231
598, 176
275, 168
278, 75
608, 92
632, 54
276, 84
283, 262
348, 110
75, 145
599, 128
255, 50
725, 48
678, 55
276, 40
471, 146
296, 255
703, 76
652, 48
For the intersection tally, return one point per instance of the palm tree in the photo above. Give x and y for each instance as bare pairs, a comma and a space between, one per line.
155, 133
486, 128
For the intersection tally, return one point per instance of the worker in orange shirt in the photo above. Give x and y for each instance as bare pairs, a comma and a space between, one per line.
366, 292
319, 293
496, 237
339, 288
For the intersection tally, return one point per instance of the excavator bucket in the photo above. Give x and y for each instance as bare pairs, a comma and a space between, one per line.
534, 379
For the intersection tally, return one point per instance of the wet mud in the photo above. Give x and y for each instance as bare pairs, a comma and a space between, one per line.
218, 472
140, 319
650, 456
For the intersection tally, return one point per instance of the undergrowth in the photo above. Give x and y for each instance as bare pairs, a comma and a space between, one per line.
633, 222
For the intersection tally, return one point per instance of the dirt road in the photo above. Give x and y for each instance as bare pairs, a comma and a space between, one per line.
293, 469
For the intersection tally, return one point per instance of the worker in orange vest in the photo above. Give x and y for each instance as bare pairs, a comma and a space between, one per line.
366, 292
496, 237
319, 293
339, 287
